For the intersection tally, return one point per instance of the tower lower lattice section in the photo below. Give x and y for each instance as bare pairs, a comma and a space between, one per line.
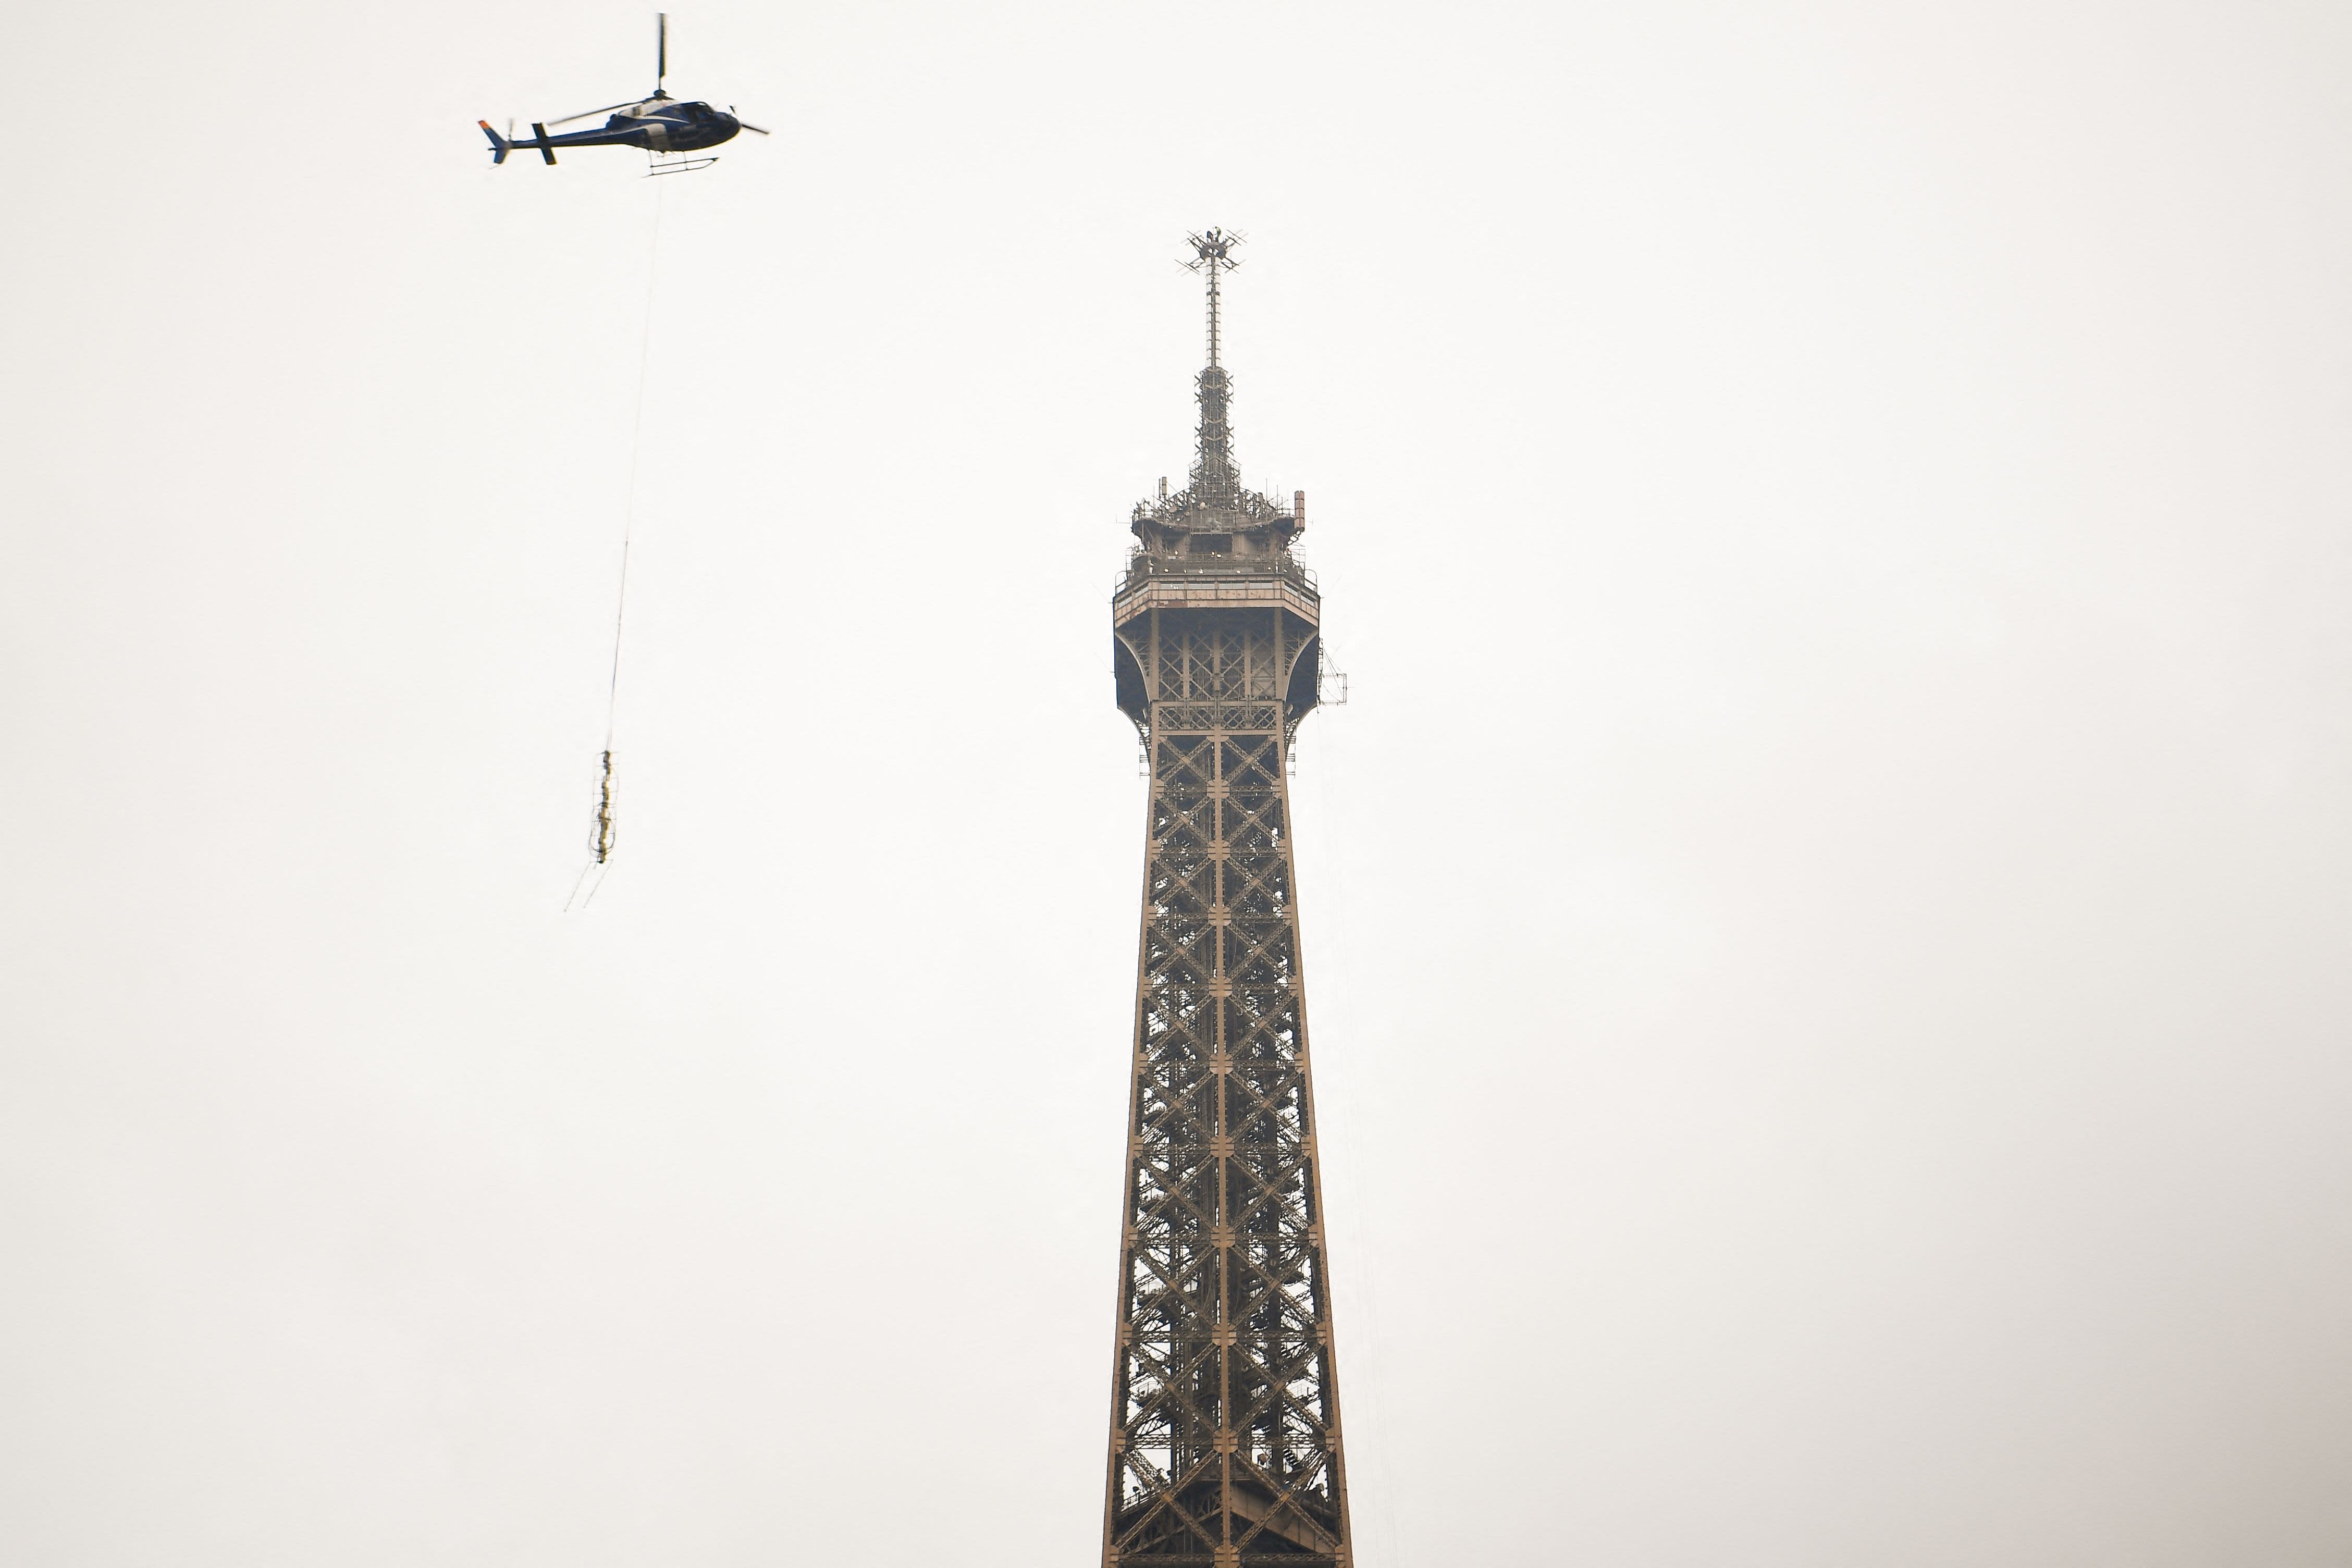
1226, 1444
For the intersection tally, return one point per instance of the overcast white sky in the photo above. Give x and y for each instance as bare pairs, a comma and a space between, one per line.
1829, 906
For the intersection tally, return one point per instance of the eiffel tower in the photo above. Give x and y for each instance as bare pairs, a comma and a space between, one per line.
1225, 1430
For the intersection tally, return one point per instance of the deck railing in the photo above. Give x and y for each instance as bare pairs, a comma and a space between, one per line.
1143, 566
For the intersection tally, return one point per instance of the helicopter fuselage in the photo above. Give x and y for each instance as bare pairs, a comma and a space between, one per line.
657, 125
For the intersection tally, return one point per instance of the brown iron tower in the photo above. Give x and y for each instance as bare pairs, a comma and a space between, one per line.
1225, 1428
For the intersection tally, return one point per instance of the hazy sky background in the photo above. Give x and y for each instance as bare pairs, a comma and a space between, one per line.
1830, 909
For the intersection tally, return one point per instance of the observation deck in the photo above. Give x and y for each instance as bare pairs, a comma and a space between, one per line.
1154, 580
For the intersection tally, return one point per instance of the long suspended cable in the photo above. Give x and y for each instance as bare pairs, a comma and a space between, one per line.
600, 841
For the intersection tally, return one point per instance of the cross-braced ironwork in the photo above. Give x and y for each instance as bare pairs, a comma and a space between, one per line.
1224, 1442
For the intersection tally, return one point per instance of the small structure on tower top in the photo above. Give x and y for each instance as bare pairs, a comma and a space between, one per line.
1214, 515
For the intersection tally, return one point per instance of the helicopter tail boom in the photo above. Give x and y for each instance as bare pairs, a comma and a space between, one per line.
500, 146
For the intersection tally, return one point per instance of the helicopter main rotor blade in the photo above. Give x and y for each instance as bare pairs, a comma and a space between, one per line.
588, 114
754, 130
661, 49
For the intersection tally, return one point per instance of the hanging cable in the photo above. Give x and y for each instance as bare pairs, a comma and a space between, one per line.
601, 838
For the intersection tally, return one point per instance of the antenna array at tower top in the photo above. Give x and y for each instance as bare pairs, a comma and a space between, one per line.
1213, 249
1212, 252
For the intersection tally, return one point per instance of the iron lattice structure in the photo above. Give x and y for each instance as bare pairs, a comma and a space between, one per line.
1224, 1437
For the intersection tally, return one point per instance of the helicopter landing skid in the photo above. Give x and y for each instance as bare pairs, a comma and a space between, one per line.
684, 164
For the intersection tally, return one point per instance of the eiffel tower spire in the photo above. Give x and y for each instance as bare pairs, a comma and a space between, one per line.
1215, 480
1214, 513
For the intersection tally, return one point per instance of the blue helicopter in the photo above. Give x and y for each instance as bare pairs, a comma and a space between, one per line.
670, 130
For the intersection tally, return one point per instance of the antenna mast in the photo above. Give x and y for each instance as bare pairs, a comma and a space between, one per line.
1215, 483
1213, 254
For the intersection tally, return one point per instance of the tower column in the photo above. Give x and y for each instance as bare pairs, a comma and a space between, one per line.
1225, 1441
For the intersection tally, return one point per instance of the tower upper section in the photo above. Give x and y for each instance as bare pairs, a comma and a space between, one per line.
1215, 549
1215, 543
1225, 1442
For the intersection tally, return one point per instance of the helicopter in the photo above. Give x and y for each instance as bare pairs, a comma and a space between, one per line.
659, 123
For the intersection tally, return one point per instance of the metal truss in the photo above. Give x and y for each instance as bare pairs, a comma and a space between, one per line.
1225, 1440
